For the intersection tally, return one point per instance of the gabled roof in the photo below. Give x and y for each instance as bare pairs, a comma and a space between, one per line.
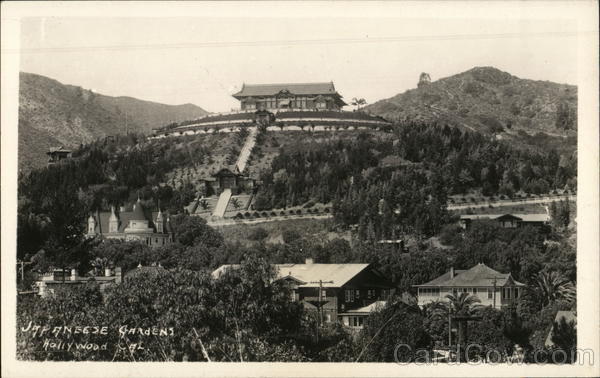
478, 276
294, 88
308, 275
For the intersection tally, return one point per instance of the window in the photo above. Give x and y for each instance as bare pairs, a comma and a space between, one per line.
323, 294
371, 293
357, 293
516, 292
490, 293
506, 293
349, 295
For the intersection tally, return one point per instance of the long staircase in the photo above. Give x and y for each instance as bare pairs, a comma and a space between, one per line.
222, 203
246, 150
240, 165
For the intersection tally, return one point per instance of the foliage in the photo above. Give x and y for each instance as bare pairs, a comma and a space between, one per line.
395, 324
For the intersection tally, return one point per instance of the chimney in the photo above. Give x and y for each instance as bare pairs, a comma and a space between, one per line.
118, 275
451, 272
308, 261
73, 274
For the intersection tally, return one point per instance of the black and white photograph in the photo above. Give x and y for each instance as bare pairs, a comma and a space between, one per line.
304, 189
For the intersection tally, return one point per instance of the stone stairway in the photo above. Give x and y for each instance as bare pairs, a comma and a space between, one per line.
222, 203
246, 150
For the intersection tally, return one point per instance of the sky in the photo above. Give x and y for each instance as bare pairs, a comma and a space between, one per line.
204, 57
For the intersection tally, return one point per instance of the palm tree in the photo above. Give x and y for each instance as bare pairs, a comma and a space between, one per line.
553, 286
461, 304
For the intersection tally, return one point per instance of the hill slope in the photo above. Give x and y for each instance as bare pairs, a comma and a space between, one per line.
54, 114
491, 101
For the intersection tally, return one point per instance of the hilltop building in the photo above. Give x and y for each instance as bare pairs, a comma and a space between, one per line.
344, 293
150, 227
285, 107
493, 288
321, 96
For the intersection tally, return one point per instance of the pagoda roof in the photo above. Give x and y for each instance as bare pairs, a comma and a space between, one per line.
294, 88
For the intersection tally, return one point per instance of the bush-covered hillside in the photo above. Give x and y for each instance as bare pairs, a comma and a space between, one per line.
492, 102
53, 114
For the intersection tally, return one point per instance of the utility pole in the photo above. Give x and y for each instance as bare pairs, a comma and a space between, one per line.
320, 304
22, 268
495, 280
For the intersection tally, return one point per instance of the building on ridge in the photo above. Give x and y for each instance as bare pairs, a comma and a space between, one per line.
306, 96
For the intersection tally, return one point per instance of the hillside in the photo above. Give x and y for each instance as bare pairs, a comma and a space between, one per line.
52, 114
494, 102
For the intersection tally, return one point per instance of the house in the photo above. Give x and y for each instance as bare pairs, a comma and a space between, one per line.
493, 288
507, 220
47, 283
568, 316
150, 227
344, 293
56, 154
321, 96
227, 178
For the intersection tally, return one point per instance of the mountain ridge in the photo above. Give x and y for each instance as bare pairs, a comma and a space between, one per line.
55, 114
491, 101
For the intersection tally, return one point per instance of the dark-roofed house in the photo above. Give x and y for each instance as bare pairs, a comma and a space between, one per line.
151, 228
507, 220
493, 288
289, 96
56, 154
345, 293
227, 178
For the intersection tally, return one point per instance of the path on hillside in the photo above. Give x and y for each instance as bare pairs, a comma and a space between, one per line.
279, 218
502, 203
222, 203
231, 221
246, 150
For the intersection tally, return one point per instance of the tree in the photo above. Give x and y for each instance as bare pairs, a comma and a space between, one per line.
358, 102
564, 336
190, 230
550, 287
397, 323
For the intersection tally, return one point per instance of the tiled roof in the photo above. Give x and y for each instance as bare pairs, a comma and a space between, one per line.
296, 88
340, 274
479, 275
